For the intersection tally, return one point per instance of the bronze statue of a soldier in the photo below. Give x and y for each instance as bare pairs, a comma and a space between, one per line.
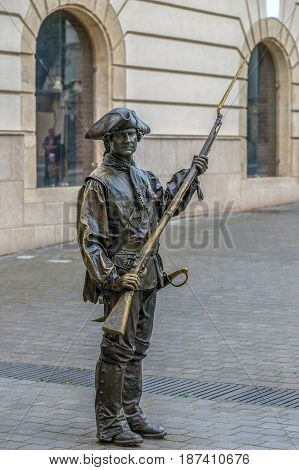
119, 207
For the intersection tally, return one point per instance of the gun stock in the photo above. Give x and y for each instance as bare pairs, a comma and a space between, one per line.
117, 320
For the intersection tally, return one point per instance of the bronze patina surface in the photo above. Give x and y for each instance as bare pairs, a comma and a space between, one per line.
119, 208
122, 211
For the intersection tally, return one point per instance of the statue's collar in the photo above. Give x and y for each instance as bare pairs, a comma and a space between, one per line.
113, 161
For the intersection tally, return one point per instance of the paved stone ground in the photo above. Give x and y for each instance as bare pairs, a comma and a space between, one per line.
236, 321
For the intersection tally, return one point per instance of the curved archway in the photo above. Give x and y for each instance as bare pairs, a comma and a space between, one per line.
282, 46
64, 101
261, 114
107, 44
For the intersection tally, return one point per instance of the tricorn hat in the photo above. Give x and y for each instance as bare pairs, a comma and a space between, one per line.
117, 119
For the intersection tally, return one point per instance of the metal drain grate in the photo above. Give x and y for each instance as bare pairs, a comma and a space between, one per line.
41, 373
159, 385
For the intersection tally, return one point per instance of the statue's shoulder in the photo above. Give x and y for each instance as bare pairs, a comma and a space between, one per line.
98, 181
101, 174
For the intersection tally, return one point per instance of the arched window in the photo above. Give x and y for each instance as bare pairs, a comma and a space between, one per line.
64, 101
261, 116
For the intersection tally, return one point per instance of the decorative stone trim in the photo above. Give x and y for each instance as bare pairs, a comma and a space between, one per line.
284, 50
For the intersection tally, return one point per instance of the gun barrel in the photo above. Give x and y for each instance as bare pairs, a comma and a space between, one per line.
229, 89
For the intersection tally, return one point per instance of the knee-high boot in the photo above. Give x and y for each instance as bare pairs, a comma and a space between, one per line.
109, 380
111, 423
132, 391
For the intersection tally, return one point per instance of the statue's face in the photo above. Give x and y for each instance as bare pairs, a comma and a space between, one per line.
124, 143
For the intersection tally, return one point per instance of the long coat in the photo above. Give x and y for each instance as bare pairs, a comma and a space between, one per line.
112, 227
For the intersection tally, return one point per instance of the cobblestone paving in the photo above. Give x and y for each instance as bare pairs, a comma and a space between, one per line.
236, 321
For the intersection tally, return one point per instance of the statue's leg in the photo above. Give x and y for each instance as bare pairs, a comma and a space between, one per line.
132, 392
132, 389
108, 403
116, 351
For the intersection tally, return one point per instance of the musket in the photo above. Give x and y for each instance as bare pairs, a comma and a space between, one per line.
116, 322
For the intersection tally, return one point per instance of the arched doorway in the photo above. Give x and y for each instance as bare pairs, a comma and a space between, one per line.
64, 101
262, 114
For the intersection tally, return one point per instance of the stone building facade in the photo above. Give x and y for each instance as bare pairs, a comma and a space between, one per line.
171, 61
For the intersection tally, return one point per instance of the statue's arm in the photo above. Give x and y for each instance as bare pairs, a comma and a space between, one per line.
201, 163
165, 195
173, 185
93, 233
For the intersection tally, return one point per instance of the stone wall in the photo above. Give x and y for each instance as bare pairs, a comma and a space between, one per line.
171, 61
35, 217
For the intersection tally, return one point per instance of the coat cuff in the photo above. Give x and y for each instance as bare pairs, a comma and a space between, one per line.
105, 287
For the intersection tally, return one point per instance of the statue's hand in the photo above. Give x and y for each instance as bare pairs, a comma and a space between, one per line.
127, 281
201, 163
